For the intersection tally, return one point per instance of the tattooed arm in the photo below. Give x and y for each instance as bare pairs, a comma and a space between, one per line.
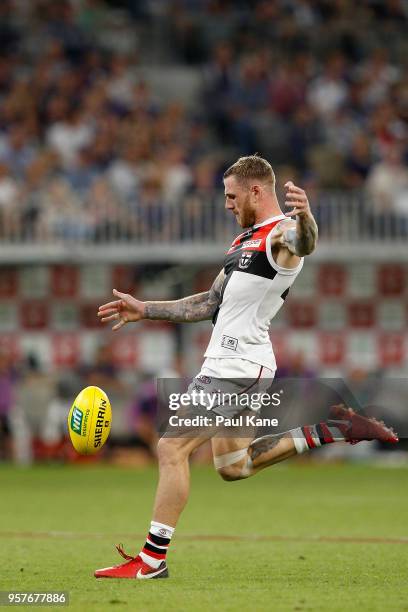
298, 237
197, 307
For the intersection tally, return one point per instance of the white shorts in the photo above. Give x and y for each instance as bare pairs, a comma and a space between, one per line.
220, 367
232, 376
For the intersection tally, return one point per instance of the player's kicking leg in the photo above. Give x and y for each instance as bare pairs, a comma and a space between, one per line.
171, 497
237, 458
234, 458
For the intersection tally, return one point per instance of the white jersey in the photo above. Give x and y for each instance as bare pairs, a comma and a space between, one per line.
254, 289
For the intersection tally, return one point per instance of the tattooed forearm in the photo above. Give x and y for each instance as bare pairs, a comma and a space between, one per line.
188, 309
301, 240
198, 307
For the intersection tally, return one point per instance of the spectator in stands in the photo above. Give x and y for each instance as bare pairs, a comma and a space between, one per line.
61, 26
120, 86
124, 172
187, 36
103, 372
177, 175
386, 126
341, 131
287, 90
63, 216
219, 82
108, 219
387, 184
358, 162
253, 82
142, 415
305, 133
328, 92
9, 203
69, 136
380, 75
144, 102
295, 80
152, 211
81, 176
38, 174
201, 209
16, 150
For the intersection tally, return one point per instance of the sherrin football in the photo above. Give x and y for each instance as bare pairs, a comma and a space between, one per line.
89, 420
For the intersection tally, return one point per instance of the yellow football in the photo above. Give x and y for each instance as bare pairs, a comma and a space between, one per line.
89, 420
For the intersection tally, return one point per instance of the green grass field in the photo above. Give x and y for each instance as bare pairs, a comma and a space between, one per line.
296, 537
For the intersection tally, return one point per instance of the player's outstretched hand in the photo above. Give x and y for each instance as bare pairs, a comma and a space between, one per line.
124, 310
296, 197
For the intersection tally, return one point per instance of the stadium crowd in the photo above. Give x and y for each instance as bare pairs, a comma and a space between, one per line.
89, 149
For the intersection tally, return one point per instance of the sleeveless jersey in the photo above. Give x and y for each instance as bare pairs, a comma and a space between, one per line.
254, 289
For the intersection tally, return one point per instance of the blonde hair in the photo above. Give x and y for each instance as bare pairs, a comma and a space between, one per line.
252, 167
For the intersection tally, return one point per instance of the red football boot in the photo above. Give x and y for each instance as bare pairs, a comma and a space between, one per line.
356, 427
135, 567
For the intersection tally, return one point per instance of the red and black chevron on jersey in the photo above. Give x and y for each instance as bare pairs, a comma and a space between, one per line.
253, 291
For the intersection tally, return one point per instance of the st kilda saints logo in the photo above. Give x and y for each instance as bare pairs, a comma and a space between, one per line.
245, 260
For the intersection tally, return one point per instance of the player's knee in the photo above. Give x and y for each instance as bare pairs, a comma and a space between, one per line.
233, 466
170, 451
229, 473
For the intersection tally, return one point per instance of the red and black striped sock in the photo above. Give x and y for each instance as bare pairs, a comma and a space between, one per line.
157, 542
313, 436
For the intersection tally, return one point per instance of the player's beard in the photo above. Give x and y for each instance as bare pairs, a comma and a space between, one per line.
247, 213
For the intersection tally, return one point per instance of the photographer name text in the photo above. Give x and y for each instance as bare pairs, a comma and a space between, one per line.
243, 420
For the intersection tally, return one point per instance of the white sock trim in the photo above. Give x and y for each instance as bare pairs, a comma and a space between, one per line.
152, 561
299, 440
222, 461
160, 529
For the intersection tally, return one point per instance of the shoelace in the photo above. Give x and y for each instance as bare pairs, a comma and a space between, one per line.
119, 548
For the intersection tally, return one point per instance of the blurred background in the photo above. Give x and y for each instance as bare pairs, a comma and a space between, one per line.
117, 121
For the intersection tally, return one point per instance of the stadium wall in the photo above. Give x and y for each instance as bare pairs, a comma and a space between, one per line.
339, 316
